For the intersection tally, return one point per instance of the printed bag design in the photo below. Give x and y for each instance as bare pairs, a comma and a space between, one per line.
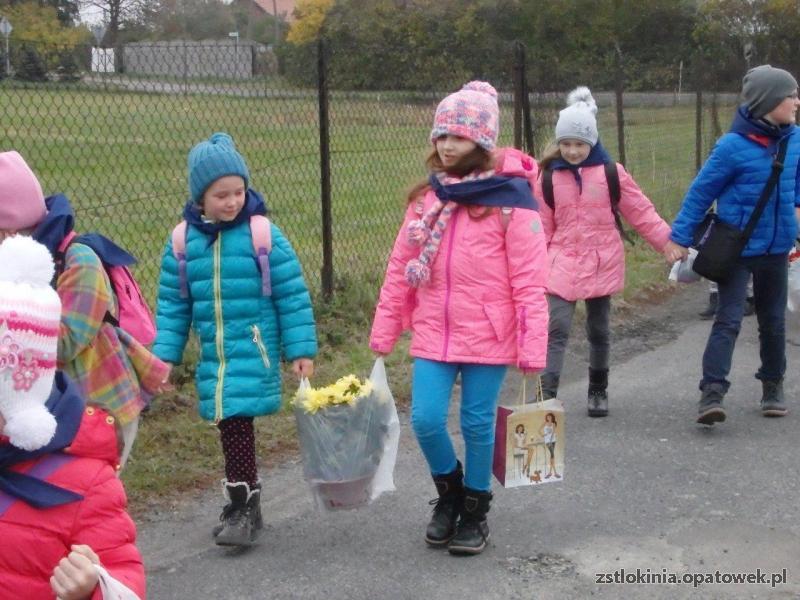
529, 445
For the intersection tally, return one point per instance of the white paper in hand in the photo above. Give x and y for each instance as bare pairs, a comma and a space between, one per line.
113, 589
682, 271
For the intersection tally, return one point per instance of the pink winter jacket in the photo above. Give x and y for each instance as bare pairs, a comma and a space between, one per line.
485, 301
587, 259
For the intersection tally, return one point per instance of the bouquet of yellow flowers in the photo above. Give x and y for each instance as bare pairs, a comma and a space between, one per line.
349, 433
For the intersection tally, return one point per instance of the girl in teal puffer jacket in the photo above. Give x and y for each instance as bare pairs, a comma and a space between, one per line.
248, 312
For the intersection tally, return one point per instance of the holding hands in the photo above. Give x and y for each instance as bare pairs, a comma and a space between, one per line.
674, 252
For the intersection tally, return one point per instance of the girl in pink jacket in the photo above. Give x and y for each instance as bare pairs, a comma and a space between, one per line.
581, 217
467, 275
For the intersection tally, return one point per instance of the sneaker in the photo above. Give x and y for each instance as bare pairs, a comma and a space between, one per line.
773, 403
709, 409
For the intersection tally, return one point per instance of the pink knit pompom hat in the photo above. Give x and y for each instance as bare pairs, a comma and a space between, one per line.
21, 199
30, 316
471, 113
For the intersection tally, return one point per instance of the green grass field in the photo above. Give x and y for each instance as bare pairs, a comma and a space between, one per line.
121, 156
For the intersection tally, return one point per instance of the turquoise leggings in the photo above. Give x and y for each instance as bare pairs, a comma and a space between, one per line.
431, 388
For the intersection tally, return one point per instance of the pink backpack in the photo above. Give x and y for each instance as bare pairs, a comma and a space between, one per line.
262, 246
133, 314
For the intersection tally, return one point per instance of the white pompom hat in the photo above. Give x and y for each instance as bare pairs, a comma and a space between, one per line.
30, 314
578, 121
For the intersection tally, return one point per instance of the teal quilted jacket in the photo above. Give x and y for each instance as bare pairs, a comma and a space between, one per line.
243, 335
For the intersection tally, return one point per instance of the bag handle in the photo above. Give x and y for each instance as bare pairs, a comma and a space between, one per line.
523, 392
777, 168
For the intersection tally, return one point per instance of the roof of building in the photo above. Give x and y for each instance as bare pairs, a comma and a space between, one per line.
285, 8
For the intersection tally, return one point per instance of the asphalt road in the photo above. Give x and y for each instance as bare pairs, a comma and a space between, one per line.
645, 488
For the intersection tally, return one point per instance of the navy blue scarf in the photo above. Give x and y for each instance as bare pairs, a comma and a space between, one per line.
253, 205
66, 405
597, 156
744, 124
60, 222
498, 190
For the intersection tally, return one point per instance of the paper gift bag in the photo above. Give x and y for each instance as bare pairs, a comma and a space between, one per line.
529, 441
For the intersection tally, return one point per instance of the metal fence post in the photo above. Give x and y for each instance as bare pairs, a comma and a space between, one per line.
518, 74
698, 112
527, 126
619, 84
325, 170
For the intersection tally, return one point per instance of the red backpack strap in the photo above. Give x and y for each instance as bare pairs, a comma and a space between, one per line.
261, 232
179, 252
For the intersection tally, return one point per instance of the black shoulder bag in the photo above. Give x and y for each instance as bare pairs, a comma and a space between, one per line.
719, 244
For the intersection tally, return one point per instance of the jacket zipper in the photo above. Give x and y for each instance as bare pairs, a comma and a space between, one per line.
259, 342
452, 228
220, 334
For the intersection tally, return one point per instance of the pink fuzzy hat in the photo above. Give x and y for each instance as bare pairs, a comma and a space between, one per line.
21, 199
471, 113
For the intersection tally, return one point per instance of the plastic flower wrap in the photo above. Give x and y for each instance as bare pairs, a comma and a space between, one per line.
345, 430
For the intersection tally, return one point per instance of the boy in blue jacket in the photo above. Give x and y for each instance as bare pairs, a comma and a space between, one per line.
735, 175
249, 309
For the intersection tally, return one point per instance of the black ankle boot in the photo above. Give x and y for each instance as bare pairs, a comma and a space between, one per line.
239, 517
711, 309
447, 506
598, 397
254, 505
473, 529
549, 386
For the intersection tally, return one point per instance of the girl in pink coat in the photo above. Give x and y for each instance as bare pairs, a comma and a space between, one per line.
467, 275
581, 217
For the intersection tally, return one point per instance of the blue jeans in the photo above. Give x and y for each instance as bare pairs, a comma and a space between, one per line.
770, 274
431, 388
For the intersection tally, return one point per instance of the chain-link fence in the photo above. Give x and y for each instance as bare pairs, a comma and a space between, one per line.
112, 129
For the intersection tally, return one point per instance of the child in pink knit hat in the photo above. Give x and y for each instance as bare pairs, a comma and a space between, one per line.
473, 307
21, 200
111, 367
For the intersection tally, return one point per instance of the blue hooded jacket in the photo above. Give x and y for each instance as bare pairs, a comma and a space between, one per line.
243, 335
735, 175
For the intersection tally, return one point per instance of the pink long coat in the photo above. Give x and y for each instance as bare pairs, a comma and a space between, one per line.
587, 259
485, 301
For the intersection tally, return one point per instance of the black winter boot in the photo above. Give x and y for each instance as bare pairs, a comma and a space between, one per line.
749, 306
598, 397
447, 507
711, 309
473, 529
241, 517
773, 403
709, 409
549, 386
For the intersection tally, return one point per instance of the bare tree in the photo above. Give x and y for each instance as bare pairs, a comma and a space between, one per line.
115, 12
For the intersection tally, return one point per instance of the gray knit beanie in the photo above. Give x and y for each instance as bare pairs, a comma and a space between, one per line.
764, 87
577, 121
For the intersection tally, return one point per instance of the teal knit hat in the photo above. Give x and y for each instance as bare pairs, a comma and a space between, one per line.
211, 159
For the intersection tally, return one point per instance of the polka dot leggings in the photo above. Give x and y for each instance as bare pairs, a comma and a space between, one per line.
239, 448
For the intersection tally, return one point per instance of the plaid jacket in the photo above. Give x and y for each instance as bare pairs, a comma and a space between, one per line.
112, 368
